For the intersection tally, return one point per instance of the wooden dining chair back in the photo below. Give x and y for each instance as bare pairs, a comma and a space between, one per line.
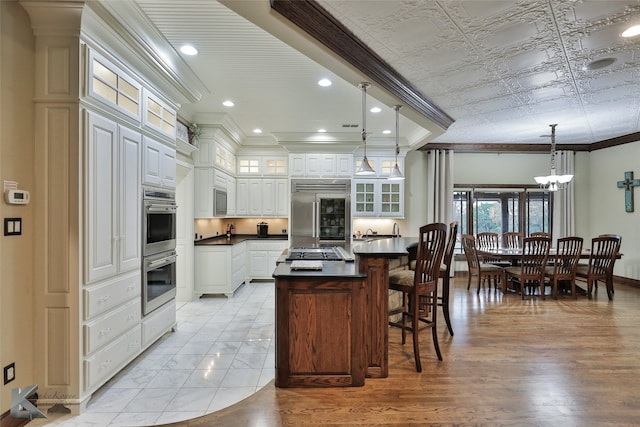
481, 271
489, 241
602, 258
565, 263
512, 240
420, 289
445, 273
540, 234
530, 273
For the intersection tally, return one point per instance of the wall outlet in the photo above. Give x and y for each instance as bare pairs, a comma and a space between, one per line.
9, 373
284, 231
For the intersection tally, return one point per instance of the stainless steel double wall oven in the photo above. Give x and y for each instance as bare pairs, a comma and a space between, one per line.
159, 248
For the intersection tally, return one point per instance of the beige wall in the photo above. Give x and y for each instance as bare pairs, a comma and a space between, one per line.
16, 164
606, 213
599, 204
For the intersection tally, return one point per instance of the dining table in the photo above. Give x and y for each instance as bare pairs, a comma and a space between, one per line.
514, 256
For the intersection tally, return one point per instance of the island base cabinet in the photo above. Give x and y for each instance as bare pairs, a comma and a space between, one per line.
320, 332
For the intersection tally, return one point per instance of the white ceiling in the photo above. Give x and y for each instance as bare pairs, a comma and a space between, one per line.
504, 70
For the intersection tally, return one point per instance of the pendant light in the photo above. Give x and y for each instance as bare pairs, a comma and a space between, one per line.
553, 182
396, 174
365, 167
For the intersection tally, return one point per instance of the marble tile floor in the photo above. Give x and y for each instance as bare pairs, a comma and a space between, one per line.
221, 352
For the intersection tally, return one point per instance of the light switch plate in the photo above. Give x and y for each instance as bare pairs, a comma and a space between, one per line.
12, 226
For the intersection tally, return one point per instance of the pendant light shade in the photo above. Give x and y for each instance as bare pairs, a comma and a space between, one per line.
396, 174
553, 181
365, 167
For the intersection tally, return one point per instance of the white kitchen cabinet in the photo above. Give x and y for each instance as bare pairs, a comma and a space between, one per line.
112, 86
203, 192
231, 196
263, 256
113, 193
242, 197
205, 155
297, 164
107, 361
378, 198
344, 165
159, 164
156, 323
215, 266
262, 197
256, 198
282, 197
321, 165
158, 114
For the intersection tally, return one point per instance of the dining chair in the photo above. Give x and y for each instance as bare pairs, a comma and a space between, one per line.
604, 251
530, 273
420, 289
479, 269
512, 240
445, 273
445, 270
565, 263
489, 241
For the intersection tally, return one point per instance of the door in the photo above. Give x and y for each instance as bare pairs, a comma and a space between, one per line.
302, 219
332, 219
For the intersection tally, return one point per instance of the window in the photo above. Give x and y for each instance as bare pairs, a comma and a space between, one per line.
525, 210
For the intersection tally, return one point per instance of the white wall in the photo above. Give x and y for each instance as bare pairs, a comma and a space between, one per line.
605, 210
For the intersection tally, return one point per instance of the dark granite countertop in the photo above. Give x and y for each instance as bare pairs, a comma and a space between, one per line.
329, 269
238, 238
390, 247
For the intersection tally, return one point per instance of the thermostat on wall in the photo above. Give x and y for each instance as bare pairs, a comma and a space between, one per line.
17, 197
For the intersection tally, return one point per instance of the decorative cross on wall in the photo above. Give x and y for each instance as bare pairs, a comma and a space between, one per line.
628, 185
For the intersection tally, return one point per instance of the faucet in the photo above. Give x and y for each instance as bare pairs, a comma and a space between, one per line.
396, 230
366, 234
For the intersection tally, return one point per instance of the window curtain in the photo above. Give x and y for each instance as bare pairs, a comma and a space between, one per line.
564, 200
439, 186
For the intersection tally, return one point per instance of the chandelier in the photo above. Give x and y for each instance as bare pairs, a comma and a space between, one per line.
553, 181
396, 174
365, 167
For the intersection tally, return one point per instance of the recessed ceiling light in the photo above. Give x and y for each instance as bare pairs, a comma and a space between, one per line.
598, 64
375, 110
257, 130
228, 103
322, 130
324, 82
631, 31
386, 131
187, 49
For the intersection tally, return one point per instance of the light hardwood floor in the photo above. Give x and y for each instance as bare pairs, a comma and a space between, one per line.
511, 362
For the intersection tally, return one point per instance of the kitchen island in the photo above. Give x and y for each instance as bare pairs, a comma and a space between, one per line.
332, 324
320, 323
373, 258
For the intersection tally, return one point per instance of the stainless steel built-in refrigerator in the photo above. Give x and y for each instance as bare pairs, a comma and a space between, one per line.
320, 212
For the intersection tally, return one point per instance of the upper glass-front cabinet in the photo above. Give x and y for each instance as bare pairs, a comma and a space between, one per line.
378, 198
113, 86
159, 115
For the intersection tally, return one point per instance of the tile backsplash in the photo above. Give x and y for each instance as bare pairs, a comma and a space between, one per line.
218, 226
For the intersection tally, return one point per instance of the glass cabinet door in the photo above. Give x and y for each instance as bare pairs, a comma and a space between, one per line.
390, 195
332, 218
365, 198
